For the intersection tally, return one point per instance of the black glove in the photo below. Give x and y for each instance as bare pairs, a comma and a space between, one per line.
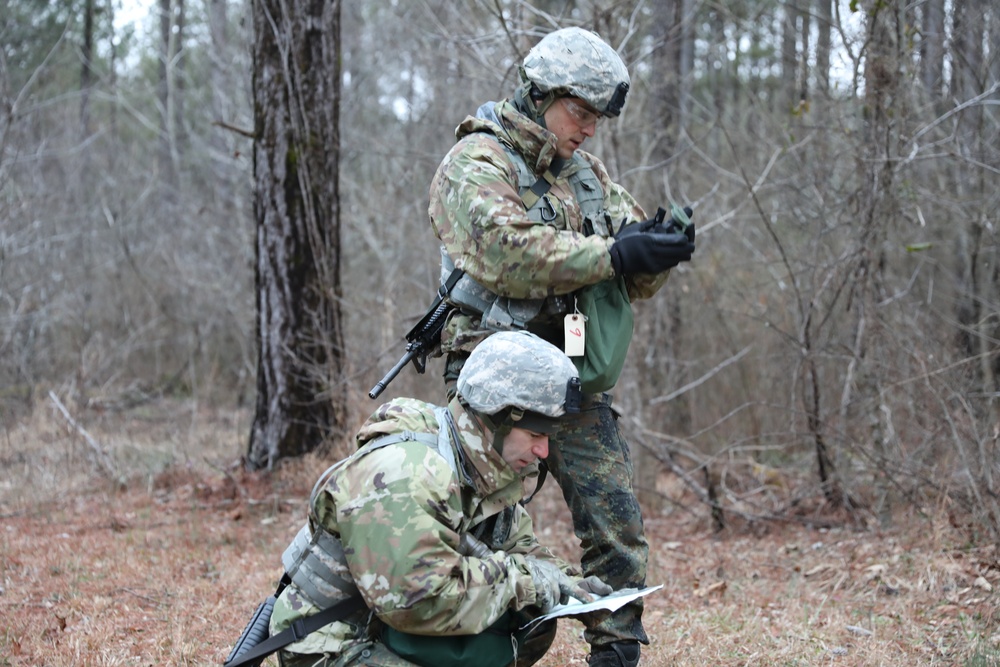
650, 253
657, 225
646, 226
672, 226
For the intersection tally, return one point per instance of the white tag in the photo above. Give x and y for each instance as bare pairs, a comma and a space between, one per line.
575, 329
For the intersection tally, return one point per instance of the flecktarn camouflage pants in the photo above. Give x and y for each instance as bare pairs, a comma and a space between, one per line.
591, 462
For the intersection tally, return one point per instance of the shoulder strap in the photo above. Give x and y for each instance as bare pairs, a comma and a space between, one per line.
297, 631
405, 436
531, 196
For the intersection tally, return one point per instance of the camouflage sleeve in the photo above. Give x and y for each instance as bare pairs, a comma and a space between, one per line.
522, 541
477, 213
399, 526
621, 205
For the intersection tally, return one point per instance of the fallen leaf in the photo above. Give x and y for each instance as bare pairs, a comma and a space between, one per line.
718, 587
981, 582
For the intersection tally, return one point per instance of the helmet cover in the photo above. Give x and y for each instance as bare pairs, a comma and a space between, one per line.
577, 63
519, 370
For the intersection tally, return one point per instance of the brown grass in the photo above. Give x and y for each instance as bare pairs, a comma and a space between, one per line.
161, 562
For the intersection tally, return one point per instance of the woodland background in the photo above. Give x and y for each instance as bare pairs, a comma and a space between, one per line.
831, 354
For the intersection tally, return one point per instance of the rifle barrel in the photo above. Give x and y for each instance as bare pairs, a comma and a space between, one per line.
411, 352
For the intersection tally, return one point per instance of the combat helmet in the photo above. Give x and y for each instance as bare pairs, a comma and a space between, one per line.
516, 379
573, 62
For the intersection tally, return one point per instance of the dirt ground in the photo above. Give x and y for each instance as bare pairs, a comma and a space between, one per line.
165, 568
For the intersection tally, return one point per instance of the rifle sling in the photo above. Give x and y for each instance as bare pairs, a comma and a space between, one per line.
298, 630
449, 284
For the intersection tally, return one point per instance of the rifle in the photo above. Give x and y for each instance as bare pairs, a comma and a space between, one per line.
423, 337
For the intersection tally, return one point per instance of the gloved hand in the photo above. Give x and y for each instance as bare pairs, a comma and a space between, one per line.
547, 579
644, 227
672, 225
594, 587
553, 586
650, 253
657, 225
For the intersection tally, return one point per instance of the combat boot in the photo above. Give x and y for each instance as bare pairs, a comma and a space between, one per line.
617, 654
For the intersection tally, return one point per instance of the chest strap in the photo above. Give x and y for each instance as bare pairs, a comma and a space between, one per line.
544, 183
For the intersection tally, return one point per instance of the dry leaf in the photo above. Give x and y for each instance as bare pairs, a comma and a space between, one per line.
875, 571
981, 582
816, 570
718, 587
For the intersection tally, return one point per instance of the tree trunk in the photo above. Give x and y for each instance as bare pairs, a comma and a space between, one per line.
802, 85
296, 90
168, 173
177, 80
965, 84
824, 23
976, 303
884, 111
686, 64
667, 58
672, 58
221, 103
789, 55
932, 49
661, 369
86, 69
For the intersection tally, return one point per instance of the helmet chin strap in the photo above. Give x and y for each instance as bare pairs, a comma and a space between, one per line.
532, 106
499, 425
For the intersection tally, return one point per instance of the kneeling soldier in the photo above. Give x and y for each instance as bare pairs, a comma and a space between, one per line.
424, 524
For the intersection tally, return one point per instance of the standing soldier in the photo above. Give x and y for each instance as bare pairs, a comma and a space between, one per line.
540, 230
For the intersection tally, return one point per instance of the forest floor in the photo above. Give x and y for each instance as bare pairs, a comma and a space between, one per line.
161, 559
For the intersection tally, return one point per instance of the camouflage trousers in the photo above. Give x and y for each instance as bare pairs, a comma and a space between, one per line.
373, 653
591, 462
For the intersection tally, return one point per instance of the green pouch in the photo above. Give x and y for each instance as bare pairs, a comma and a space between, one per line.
490, 648
609, 331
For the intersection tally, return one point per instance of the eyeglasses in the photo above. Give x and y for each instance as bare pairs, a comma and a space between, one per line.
582, 115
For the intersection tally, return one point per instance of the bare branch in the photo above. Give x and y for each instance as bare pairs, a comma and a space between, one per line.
104, 462
704, 378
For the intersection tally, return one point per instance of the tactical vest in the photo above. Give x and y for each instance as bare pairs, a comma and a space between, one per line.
499, 313
315, 560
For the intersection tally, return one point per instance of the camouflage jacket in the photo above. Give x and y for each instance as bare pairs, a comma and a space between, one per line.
399, 511
477, 212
